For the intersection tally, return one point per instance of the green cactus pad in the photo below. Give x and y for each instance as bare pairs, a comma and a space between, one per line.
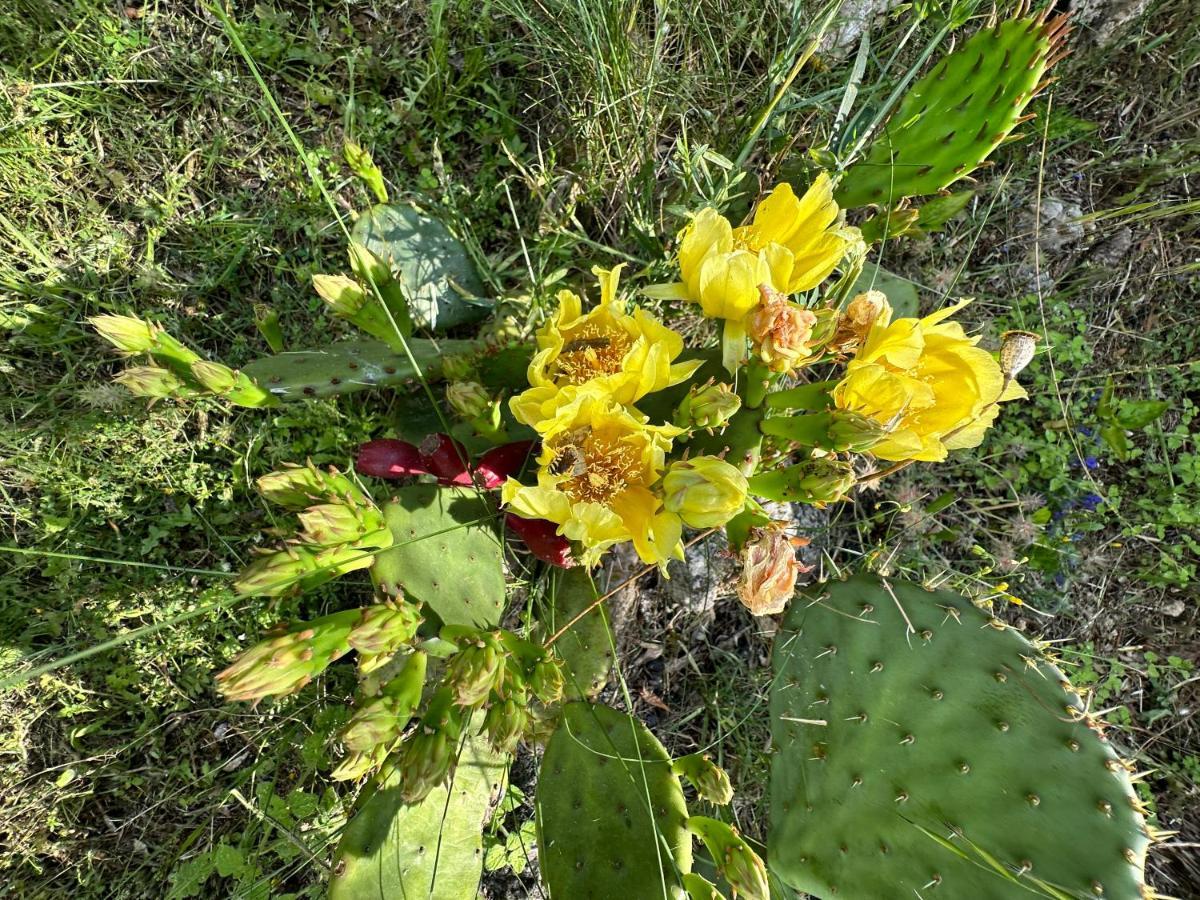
956, 115
445, 554
392, 850
439, 279
610, 815
347, 367
585, 648
924, 749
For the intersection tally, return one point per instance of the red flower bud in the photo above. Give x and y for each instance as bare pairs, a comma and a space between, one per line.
499, 463
389, 458
542, 539
446, 458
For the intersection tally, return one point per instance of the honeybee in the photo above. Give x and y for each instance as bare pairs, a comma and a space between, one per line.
596, 343
567, 461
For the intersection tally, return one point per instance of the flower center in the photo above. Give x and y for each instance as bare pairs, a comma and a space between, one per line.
599, 466
590, 352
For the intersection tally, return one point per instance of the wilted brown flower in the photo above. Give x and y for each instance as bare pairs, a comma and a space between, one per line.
769, 570
780, 330
854, 323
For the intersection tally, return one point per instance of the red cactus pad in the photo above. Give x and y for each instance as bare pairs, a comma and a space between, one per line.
542, 539
501, 463
389, 458
446, 458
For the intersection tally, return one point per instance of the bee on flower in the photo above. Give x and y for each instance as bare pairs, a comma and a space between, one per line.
791, 245
620, 355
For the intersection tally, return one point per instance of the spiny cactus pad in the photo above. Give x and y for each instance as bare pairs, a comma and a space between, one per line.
434, 848
439, 279
347, 367
923, 749
957, 114
445, 554
610, 814
585, 648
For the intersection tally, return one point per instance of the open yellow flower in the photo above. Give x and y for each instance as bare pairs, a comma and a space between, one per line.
792, 245
598, 463
621, 355
927, 382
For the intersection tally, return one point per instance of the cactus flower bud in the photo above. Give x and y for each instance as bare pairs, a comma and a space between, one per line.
817, 481
849, 431
504, 723
425, 761
126, 333
368, 267
709, 779
707, 406
215, 377
151, 381
468, 399
501, 463
734, 858
389, 458
476, 670
542, 539
297, 487
335, 524
446, 458
502, 331
296, 569
704, 491
769, 570
343, 294
780, 330
386, 627
458, 367
1016, 351
381, 720
357, 764
286, 663
546, 680
700, 888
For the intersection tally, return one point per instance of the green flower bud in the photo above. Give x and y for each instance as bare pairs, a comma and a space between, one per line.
816, 481
709, 779
298, 568
502, 331
297, 487
425, 760
357, 764
127, 334
704, 491
385, 628
215, 377
368, 267
335, 524
284, 664
735, 860
504, 723
151, 381
707, 406
700, 888
469, 399
476, 670
849, 431
546, 680
343, 294
458, 367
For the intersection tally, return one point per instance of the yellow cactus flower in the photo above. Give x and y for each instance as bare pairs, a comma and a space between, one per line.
598, 463
927, 382
792, 245
621, 355
705, 492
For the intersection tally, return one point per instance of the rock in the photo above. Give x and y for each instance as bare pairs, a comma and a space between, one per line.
1102, 20
851, 21
706, 571
1059, 224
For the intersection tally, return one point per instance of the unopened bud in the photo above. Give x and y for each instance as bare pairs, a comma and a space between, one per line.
126, 333
817, 481
854, 433
368, 267
769, 570
215, 377
385, 628
700, 888
151, 381
709, 779
343, 294
705, 492
546, 680
357, 764
297, 487
1016, 351
425, 762
458, 367
475, 670
504, 723
334, 524
734, 858
707, 406
469, 399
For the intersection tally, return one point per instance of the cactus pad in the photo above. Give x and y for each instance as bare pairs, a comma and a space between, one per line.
585, 648
610, 815
445, 554
434, 848
439, 279
346, 367
925, 749
957, 114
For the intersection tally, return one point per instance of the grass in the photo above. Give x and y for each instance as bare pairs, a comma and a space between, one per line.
142, 172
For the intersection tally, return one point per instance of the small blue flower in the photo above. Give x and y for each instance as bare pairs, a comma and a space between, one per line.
1090, 501
1091, 463
1060, 580
1084, 430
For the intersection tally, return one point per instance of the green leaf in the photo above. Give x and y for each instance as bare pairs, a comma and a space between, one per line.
1114, 437
437, 275
901, 292
1134, 415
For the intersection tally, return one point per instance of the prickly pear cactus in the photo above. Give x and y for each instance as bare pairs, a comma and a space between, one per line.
444, 554
346, 367
610, 814
957, 114
434, 848
585, 648
924, 749
439, 279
